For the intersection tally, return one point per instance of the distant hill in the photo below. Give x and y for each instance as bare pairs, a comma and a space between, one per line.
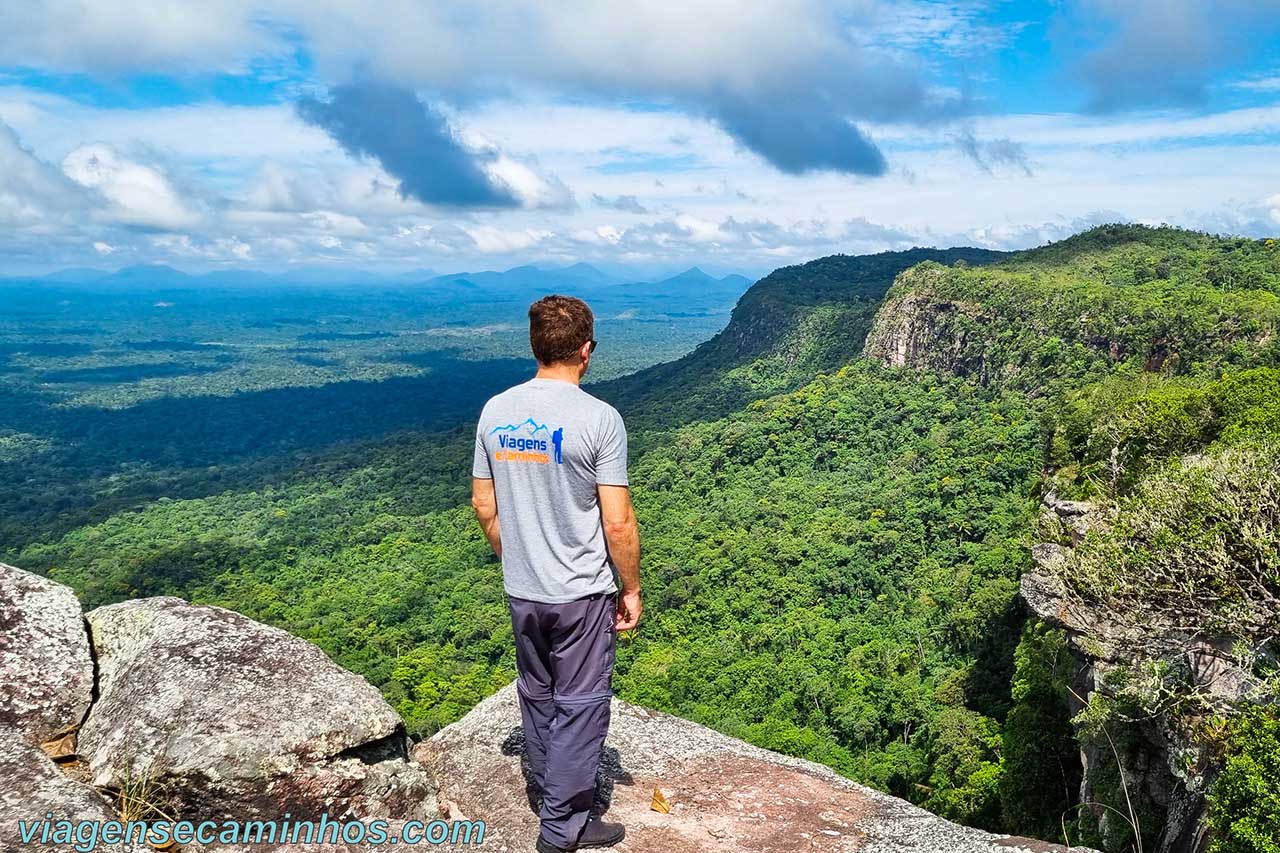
75, 274
151, 275
579, 278
692, 281
1155, 300
789, 326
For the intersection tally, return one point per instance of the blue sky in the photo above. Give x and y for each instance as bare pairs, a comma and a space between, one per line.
651, 133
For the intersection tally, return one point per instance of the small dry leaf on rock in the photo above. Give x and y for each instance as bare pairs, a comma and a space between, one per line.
450, 810
61, 748
659, 802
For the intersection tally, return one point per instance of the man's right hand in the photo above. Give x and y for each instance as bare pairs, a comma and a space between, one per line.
629, 607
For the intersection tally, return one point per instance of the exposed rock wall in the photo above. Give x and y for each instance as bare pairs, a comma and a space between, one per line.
45, 665
1138, 663
914, 329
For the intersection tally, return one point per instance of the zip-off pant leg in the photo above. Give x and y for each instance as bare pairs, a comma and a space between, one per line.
565, 655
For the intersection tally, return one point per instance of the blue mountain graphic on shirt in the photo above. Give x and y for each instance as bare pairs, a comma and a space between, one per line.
534, 427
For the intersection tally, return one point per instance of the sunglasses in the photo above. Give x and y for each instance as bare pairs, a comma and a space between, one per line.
594, 343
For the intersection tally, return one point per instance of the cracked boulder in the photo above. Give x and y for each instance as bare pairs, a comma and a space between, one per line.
227, 717
31, 786
46, 674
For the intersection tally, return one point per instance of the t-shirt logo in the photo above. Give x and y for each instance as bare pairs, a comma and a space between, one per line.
527, 442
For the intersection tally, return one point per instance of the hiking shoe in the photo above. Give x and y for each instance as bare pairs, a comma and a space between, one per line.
597, 833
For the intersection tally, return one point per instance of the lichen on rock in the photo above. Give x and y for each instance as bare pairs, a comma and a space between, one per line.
46, 673
239, 719
31, 786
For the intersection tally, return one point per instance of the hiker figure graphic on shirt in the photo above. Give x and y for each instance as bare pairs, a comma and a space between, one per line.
515, 447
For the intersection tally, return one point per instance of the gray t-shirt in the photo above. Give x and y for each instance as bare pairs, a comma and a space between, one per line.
547, 444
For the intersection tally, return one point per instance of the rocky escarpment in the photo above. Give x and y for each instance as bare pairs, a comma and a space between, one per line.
1166, 596
1170, 679
725, 795
914, 329
198, 713
793, 324
776, 307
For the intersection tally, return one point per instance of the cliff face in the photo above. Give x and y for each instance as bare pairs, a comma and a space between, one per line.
1128, 663
768, 313
791, 325
917, 329
199, 713
1135, 299
1165, 583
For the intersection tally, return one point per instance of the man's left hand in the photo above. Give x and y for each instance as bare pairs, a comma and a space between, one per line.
629, 607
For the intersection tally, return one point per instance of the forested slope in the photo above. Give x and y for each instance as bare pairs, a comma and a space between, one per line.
831, 571
794, 323
1154, 352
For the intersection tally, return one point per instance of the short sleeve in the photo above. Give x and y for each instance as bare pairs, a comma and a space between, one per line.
480, 466
611, 458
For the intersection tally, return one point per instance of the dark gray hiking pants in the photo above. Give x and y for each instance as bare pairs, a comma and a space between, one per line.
564, 654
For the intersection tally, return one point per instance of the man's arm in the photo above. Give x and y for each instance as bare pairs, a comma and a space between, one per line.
484, 500
622, 535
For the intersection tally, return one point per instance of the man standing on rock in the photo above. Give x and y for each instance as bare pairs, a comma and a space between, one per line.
562, 523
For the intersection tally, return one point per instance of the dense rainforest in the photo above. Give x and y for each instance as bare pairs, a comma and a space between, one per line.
838, 495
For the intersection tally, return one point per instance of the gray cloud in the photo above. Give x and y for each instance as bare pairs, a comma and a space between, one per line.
857, 234
802, 139
413, 142
786, 79
1014, 236
1145, 53
621, 203
989, 153
32, 192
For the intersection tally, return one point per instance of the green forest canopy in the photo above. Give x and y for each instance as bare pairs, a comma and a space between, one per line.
831, 571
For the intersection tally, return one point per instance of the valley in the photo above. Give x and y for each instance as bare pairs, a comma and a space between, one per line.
839, 494
267, 374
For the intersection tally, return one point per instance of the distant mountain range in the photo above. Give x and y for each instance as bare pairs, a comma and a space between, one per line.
578, 279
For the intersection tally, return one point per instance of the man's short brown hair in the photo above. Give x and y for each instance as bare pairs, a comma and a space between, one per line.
558, 326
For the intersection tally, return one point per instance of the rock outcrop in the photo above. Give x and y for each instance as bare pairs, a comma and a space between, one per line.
46, 672
1134, 662
200, 712
725, 795
240, 719
207, 715
32, 786
916, 329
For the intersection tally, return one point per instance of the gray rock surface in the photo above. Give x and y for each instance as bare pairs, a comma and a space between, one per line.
46, 673
726, 795
238, 719
31, 786
913, 328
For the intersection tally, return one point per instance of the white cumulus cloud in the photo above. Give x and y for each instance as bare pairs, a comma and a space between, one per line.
140, 195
